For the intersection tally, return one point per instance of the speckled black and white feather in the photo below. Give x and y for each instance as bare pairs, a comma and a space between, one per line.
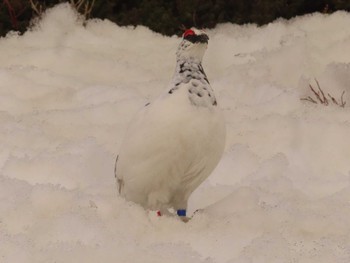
175, 142
191, 76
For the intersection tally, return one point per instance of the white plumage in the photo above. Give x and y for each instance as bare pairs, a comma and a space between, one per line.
175, 142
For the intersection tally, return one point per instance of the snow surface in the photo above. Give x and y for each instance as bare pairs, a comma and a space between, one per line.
280, 194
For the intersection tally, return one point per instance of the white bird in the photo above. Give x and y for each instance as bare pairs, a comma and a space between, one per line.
175, 142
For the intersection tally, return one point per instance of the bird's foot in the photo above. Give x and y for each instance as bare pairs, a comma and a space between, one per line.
182, 215
185, 218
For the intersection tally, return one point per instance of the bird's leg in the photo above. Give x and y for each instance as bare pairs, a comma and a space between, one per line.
163, 211
182, 215
180, 206
181, 212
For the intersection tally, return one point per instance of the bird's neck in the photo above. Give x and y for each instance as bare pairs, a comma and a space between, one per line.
187, 69
189, 75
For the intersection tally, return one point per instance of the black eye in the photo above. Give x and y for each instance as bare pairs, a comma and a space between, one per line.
191, 38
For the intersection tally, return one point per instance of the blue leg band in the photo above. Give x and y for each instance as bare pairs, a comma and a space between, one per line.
181, 212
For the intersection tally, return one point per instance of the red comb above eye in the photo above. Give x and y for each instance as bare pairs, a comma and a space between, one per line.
189, 32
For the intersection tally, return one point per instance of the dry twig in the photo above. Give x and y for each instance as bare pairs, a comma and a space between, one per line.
321, 97
340, 103
36, 7
83, 6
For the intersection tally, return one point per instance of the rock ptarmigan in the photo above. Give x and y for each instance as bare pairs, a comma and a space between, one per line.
176, 141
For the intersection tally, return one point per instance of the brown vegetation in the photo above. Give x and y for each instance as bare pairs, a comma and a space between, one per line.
321, 98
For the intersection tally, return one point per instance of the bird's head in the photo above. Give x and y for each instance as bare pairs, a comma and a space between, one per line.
193, 45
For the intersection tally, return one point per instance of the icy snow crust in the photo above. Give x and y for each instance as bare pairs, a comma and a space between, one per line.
280, 194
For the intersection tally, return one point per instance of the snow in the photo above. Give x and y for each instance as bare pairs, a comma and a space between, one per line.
281, 192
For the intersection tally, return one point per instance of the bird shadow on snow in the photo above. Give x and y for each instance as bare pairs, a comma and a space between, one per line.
230, 191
